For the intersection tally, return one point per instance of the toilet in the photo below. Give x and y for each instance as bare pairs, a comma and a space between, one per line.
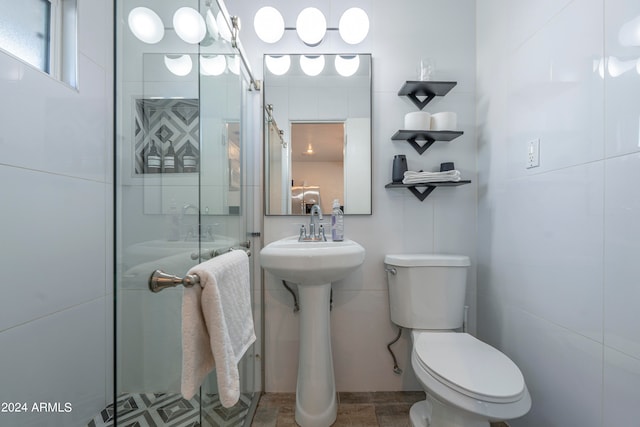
468, 383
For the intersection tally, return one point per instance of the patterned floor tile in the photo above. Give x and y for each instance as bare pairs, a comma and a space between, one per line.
171, 410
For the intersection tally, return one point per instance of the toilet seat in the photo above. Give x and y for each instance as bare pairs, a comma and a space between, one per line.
469, 366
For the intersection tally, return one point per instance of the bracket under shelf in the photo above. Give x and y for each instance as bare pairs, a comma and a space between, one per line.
429, 187
429, 136
426, 89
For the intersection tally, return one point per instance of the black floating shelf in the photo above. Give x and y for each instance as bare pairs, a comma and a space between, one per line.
429, 187
429, 136
425, 89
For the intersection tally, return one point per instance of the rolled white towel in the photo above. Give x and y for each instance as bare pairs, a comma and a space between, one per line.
413, 177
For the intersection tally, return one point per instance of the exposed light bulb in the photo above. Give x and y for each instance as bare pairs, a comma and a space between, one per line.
146, 25
189, 25
268, 24
311, 26
354, 25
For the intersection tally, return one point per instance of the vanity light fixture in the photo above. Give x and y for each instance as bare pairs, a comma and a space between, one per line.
347, 65
146, 25
311, 26
213, 65
354, 25
312, 65
278, 64
180, 65
268, 24
189, 25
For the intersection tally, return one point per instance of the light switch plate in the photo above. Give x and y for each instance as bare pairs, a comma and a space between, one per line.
533, 154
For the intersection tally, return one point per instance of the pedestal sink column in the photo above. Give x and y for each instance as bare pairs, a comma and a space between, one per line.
316, 404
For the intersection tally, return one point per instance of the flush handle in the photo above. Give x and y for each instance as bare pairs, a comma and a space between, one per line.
391, 270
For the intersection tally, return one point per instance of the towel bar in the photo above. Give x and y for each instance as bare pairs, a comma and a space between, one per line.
212, 253
159, 280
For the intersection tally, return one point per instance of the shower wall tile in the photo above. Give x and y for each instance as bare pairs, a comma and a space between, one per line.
554, 93
621, 392
525, 18
548, 265
545, 353
70, 137
54, 235
94, 32
622, 74
56, 166
557, 281
621, 246
59, 358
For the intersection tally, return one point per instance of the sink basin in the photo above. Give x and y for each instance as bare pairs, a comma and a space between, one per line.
311, 263
313, 266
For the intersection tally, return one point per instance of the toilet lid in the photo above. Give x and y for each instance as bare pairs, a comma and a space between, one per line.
469, 366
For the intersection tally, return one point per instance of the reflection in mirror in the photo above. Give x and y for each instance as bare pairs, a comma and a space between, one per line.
186, 135
317, 135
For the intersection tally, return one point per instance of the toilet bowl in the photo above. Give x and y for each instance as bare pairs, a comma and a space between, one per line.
467, 382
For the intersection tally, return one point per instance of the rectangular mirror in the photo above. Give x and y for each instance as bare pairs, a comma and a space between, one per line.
317, 127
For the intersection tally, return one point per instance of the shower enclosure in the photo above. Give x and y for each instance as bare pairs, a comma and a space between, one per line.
184, 193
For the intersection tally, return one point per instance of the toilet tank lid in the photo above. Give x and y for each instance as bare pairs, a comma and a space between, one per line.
427, 260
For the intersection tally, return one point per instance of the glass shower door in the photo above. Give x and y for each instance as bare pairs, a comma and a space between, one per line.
181, 198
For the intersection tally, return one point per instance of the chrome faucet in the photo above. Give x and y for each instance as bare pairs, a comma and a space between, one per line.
313, 236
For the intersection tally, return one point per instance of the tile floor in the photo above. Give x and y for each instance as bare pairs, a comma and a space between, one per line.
171, 410
389, 409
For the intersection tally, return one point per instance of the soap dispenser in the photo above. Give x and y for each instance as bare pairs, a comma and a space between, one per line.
337, 222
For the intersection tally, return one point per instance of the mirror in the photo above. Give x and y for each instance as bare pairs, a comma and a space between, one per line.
317, 126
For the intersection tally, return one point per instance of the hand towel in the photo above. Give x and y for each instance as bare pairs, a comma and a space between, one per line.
217, 325
412, 177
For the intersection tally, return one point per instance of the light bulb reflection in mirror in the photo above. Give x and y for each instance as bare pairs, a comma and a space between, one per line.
347, 65
278, 64
312, 65
179, 65
146, 25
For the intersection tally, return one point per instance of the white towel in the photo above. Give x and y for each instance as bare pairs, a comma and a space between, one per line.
217, 325
412, 177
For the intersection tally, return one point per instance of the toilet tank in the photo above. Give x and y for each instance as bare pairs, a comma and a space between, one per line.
427, 291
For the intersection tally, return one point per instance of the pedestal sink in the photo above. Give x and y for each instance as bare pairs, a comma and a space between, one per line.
313, 266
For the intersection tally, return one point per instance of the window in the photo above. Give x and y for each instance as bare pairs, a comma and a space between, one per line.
43, 34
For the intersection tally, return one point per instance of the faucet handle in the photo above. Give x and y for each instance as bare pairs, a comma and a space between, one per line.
303, 233
321, 233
